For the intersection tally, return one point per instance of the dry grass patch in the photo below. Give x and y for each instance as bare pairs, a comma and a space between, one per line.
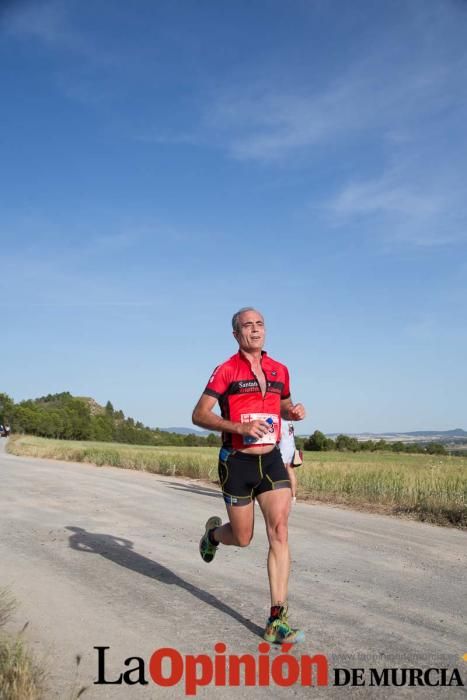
428, 487
194, 462
20, 677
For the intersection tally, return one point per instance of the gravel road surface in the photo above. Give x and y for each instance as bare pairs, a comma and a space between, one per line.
109, 557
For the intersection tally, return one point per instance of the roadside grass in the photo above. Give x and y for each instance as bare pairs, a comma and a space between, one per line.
194, 462
432, 488
20, 677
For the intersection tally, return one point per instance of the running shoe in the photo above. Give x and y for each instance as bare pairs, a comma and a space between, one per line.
206, 549
278, 630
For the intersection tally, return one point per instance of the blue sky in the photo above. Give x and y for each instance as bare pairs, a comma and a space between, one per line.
163, 164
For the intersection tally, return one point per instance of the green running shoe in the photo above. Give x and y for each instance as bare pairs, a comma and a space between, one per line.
206, 549
278, 630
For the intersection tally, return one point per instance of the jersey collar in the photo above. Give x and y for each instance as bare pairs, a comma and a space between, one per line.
243, 358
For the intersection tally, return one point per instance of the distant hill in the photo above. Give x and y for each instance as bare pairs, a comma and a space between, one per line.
185, 431
57, 401
95, 408
426, 434
67, 417
456, 435
82, 418
458, 432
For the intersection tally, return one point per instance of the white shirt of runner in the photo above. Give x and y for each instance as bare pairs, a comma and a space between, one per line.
287, 442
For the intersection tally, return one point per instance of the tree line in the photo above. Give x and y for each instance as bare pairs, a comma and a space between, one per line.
318, 442
66, 417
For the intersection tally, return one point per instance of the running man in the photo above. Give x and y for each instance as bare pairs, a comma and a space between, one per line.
253, 393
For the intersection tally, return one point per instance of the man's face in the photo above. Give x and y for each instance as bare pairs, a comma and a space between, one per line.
251, 332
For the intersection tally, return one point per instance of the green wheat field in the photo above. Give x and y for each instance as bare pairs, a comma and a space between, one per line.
427, 487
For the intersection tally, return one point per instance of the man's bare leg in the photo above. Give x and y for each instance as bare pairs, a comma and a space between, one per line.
239, 530
275, 506
293, 481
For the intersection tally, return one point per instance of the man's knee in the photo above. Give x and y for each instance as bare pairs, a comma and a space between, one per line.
278, 531
243, 537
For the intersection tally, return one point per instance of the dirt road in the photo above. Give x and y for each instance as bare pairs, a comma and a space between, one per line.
109, 557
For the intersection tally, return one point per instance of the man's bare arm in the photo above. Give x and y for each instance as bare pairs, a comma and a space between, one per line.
291, 411
204, 417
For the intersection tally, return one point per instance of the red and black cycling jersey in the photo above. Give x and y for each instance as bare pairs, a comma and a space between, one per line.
235, 386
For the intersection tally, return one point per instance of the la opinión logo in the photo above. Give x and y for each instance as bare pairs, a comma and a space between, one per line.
167, 667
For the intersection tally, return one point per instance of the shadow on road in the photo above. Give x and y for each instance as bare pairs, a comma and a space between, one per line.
203, 490
120, 551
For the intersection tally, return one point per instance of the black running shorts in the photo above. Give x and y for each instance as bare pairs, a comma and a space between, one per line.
244, 476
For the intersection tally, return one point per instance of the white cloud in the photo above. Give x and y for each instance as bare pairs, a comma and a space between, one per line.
393, 123
45, 21
411, 203
51, 23
406, 79
385, 196
260, 123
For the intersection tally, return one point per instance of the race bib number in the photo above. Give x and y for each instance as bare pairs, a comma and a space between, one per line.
271, 436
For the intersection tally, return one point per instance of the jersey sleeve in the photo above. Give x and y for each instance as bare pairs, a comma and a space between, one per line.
285, 394
218, 382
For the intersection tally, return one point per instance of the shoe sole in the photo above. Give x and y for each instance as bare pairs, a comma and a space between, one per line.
298, 638
212, 522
